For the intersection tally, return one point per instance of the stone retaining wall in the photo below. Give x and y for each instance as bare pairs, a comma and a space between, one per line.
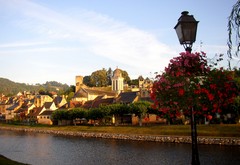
154, 138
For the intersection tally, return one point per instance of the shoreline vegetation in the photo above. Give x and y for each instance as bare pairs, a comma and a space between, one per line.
6, 161
221, 134
212, 130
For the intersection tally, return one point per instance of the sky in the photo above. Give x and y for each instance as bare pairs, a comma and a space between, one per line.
53, 40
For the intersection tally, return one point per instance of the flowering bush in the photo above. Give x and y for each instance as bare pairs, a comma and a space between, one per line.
188, 82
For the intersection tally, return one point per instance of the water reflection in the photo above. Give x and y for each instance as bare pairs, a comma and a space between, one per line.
38, 149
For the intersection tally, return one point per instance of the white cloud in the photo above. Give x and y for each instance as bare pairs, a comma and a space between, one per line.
23, 44
102, 35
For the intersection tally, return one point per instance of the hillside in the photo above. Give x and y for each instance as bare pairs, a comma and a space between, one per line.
8, 87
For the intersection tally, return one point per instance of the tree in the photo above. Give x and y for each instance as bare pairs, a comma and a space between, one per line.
233, 30
99, 78
70, 89
118, 110
107, 116
140, 108
189, 83
60, 115
134, 82
95, 114
109, 76
125, 76
70, 96
188, 86
86, 81
77, 113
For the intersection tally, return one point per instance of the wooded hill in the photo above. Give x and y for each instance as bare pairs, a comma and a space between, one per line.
9, 88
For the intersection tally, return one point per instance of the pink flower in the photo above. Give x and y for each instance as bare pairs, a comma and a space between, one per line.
210, 96
204, 108
181, 92
213, 86
209, 117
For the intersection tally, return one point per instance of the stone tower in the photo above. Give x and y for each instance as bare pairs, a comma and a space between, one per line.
117, 81
79, 82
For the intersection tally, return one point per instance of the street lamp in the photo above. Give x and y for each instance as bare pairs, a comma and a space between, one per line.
186, 30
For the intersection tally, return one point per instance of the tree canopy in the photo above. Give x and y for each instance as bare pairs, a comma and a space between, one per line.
99, 78
188, 82
102, 78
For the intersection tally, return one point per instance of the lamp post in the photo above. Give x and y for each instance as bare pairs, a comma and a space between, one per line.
186, 30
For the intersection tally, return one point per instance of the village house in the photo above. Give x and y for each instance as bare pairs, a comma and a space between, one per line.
44, 116
5, 103
39, 100
11, 111
84, 93
22, 112
39, 108
60, 102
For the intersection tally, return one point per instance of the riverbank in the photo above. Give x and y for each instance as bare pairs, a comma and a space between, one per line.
6, 161
137, 136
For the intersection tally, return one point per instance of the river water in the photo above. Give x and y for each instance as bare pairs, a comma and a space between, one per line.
46, 149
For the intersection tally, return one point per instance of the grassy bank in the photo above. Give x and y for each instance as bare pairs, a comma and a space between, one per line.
220, 130
6, 161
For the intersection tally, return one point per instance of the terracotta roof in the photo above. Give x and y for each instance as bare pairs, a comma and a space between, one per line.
75, 104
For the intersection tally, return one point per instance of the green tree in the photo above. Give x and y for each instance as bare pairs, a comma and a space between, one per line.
134, 82
86, 81
95, 114
70, 89
70, 96
109, 76
77, 113
140, 108
99, 78
60, 115
105, 110
118, 111
126, 77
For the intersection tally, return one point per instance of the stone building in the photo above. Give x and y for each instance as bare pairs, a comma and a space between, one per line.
117, 81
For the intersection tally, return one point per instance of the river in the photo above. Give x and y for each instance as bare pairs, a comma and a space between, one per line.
46, 149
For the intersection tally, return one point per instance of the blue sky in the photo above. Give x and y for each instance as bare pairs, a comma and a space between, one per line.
42, 40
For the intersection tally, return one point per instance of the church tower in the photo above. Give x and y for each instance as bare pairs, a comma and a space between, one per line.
117, 81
